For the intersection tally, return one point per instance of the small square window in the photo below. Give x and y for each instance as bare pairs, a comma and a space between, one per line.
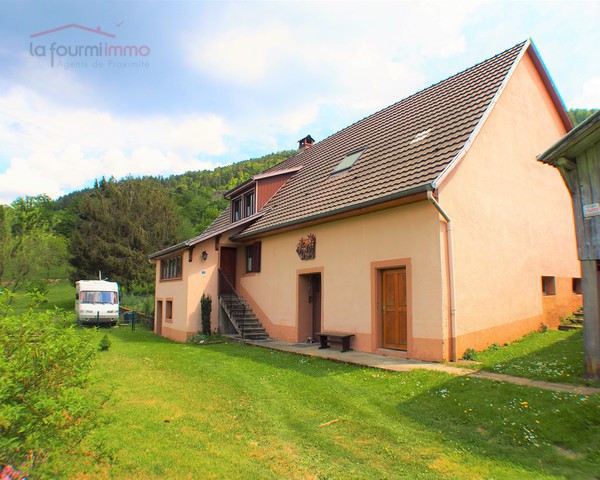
548, 286
577, 287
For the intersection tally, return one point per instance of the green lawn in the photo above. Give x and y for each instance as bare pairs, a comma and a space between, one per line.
238, 412
553, 356
60, 294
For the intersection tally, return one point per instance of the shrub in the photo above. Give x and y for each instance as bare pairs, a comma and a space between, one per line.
200, 339
104, 343
206, 310
37, 286
45, 368
140, 303
469, 354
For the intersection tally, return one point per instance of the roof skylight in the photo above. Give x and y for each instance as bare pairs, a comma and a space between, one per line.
421, 136
348, 161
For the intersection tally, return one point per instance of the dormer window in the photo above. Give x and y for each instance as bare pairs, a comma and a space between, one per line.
249, 203
243, 205
236, 209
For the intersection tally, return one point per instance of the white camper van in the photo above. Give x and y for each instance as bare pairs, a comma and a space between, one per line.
97, 302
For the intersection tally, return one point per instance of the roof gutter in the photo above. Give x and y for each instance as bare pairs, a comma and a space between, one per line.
320, 216
451, 282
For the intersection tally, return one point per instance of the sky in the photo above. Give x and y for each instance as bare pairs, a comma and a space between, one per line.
92, 89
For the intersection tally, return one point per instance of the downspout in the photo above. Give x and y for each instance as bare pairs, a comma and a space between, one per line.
450, 275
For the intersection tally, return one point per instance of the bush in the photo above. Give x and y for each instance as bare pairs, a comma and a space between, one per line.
201, 339
469, 354
206, 310
37, 286
104, 343
140, 303
45, 404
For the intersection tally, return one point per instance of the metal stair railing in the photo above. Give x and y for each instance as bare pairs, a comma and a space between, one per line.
230, 299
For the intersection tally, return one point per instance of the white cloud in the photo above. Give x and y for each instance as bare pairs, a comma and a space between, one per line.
344, 55
588, 96
55, 150
240, 54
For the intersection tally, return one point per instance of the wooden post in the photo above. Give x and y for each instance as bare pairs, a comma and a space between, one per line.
591, 313
577, 156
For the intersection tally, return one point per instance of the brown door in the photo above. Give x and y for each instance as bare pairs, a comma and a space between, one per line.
394, 304
228, 256
316, 299
159, 317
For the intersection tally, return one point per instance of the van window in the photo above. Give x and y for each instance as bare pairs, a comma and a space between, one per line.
99, 297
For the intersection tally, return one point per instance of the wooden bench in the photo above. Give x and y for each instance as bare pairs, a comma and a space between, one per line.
344, 338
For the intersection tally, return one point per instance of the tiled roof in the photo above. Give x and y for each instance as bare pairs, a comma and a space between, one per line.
220, 225
408, 145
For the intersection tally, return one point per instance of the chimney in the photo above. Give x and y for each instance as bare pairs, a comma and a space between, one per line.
305, 143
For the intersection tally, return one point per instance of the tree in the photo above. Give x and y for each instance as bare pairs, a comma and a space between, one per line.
205, 312
578, 115
30, 247
32, 255
120, 223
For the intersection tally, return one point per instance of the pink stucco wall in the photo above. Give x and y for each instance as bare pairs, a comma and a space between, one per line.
512, 220
512, 224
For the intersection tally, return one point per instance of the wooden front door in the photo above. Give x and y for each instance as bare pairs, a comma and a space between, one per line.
394, 303
228, 256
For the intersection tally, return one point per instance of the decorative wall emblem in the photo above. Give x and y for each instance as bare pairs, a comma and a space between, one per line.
307, 247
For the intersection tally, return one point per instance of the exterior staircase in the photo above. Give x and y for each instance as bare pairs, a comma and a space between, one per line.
242, 317
573, 321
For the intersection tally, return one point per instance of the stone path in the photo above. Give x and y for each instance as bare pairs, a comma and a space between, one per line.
396, 364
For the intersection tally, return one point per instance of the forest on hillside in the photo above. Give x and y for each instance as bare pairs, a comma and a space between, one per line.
116, 224
113, 226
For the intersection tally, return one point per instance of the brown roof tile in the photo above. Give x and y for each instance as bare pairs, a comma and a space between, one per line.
393, 163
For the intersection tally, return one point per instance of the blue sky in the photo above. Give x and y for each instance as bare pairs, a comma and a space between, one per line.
218, 82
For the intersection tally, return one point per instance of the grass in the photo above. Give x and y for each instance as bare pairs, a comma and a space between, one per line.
232, 411
60, 294
553, 356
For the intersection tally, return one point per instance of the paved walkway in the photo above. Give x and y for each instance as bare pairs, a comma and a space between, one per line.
396, 364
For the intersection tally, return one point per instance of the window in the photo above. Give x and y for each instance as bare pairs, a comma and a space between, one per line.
170, 268
169, 311
243, 206
236, 209
548, 286
110, 298
577, 288
253, 257
348, 161
249, 204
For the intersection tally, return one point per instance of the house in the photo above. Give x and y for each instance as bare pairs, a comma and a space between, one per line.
424, 229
